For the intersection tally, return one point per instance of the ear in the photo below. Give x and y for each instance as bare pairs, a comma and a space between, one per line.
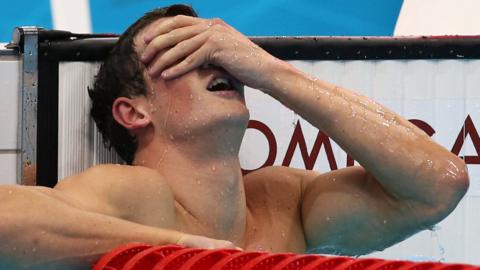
129, 114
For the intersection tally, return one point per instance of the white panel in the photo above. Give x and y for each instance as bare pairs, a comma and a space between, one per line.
471, 226
472, 79
388, 81
472, 106
418, 78
71, 16
358, 75
329, 70
77, 136
438, 17
10, 91
8, 168
450, 80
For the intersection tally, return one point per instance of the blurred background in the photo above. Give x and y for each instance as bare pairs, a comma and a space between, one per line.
443, 93
251, 17
257, 18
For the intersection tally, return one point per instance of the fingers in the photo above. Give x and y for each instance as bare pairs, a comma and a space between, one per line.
170, 39
192, 61
182, 39
191, 51
204, 242
171, 24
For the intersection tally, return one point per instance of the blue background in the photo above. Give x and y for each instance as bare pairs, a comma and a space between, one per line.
254, 18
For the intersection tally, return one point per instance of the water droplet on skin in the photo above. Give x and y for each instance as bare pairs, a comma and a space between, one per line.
429, 163
172, 137
283, 234
199, 182
10, 192
259, 248
327, 218
213, 168
191, 96
385, 221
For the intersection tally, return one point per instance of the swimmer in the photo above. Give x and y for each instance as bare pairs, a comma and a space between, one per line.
169, 98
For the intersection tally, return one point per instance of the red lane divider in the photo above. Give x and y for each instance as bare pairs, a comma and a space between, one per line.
172, 257
117, 258
147, 258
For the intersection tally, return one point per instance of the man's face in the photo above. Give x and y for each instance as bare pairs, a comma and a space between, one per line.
194, 102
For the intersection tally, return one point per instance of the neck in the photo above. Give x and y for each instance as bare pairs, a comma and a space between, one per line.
205, 178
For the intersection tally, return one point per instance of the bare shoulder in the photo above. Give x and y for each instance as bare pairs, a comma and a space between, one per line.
111, 189
111, 177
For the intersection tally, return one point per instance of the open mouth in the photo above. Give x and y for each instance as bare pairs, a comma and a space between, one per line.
224, 83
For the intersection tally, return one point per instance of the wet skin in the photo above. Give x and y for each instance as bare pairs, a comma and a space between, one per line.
187, 180
187, 174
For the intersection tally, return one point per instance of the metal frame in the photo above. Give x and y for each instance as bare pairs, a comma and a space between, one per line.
302, 48
27, 163
42, 51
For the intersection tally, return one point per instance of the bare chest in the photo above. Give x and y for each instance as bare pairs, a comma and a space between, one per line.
274, 229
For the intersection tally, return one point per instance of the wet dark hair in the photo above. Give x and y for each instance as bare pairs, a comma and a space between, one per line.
121, 75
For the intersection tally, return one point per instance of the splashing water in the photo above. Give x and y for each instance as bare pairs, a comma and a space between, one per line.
435, 236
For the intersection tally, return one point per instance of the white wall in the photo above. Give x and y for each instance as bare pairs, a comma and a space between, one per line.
438, 17
9, 89
71, 16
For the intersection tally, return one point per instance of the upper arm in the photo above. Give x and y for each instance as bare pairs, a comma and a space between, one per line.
347, 211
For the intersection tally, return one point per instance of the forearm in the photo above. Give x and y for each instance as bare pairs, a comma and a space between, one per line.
398, 154
41, 232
